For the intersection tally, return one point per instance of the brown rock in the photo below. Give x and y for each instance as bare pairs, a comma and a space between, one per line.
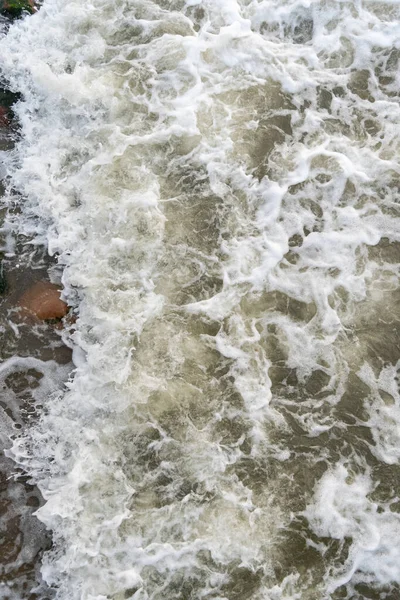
4, 116
43, 302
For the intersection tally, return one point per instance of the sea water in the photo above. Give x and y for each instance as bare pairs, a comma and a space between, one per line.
220, 181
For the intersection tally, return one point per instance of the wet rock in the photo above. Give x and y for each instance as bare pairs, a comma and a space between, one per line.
3, 280
7, 100
42, 301
14, 8
4, 116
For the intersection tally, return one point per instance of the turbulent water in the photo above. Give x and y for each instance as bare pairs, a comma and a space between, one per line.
220, 180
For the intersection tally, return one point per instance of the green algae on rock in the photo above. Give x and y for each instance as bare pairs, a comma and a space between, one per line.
15, 8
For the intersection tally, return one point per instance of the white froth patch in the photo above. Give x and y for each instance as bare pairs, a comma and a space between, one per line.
342, 508
383, 406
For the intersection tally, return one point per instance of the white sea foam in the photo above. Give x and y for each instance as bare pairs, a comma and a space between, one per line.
343, 509
213, 176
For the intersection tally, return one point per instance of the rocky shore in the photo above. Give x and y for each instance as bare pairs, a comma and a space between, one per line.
31, 316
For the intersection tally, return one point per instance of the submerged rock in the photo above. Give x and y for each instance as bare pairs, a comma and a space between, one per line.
14, 8
42, 301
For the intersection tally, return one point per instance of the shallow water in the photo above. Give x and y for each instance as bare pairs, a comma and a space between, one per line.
220, 181
34, 364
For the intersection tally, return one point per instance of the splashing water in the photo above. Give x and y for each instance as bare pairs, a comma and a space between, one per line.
220, 180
